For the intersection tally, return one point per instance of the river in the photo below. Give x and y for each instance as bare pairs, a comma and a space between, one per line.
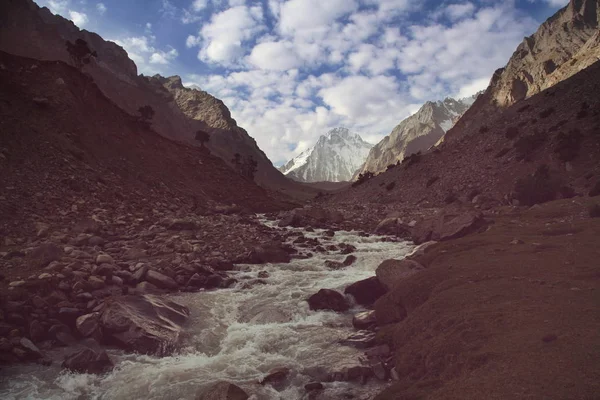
237, 335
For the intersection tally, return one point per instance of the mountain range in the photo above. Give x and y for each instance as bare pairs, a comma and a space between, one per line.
334, 158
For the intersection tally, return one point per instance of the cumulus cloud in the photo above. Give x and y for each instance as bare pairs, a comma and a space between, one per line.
78, 18
148, 58
306, 66
101, 8
224, 36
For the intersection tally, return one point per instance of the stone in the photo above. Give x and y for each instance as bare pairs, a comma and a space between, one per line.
68, 315
276, 376
104, 259
181, 225
196, 281
140, 273
96, 282
380, 372
88, 361
364, 320
335, 265
32, 351
327, 299
88, 324
160, 280
146, 288
366, 291
104, 269
16, 283
349, 260
347, 248
269, 254
459, 226
96, 241
313, 386
361, 340
43, 255
393, 226
145, 324
213, 281
223, 391
42, 229
37, 332
390, 272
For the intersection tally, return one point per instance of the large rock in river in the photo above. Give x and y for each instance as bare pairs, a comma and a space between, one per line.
223, 391
391, 272
87, 361
367, 291
145, 324
327, 299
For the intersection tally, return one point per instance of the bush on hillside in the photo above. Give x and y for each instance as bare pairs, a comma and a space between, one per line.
540, 187
390, 186
412, 159
502, 152
583, 112
595, 191
484, 129
547, 112
595, 211
512, 132
527, 145
431, 181
362, 178
568, 144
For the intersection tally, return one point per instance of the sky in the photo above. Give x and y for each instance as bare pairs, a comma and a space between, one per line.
290, 70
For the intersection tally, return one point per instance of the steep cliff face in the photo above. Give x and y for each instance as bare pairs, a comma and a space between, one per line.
31, 31
536, 64
416, 133
565, 44
334, 158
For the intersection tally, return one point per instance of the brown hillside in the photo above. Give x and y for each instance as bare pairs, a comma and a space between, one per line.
63, 141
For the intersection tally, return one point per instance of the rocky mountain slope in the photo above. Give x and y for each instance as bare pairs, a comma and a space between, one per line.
31, 31
565, 44
334, 158
416, 133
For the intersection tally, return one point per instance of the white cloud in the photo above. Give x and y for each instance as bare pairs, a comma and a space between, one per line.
163, 57
79, 19
472, 87
101, 8
198, 5
312, 15
553, 3
58, 6
277, 56
458, 11
224, 36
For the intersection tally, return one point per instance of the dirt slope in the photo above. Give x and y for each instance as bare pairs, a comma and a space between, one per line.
62, 139
511, 313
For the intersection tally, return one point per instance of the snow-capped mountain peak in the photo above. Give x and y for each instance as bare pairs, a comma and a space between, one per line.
334, 158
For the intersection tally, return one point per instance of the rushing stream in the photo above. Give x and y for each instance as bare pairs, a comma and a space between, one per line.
236, 335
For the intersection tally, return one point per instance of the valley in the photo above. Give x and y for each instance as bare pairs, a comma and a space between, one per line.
150, 249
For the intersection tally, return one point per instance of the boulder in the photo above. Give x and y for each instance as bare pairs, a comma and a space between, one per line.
88, 361
367, 291
327, 299
446, 227
310, 216
88, 324
391, 272
181, 225
160, 280
393, 226
335, 265
145, 324
364, 320
276, 376
104, 259
43, 255
349, 260
223, 391
269, 254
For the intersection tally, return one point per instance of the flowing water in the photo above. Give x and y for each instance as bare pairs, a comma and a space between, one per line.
236, 335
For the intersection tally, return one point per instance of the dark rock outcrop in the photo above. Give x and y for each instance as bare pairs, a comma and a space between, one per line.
327, 299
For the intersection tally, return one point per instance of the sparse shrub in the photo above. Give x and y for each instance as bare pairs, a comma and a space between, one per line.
547, 112
473, 193
524, 108
484, 129
537, 188
557, 126
412, 159
595, 211
362, 178
390, 186
450, 198
432, 180
146, 113
512, 132
502, 152
202, 137
391, 166
526, 145
567, 192
568, 145
583, 112
246, 166
80, 52
595, 191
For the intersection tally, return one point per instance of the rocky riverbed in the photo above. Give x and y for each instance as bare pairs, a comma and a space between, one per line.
260, 333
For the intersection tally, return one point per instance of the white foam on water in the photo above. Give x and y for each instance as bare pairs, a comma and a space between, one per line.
236, 335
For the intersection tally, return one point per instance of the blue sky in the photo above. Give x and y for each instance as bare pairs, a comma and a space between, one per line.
290, 70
